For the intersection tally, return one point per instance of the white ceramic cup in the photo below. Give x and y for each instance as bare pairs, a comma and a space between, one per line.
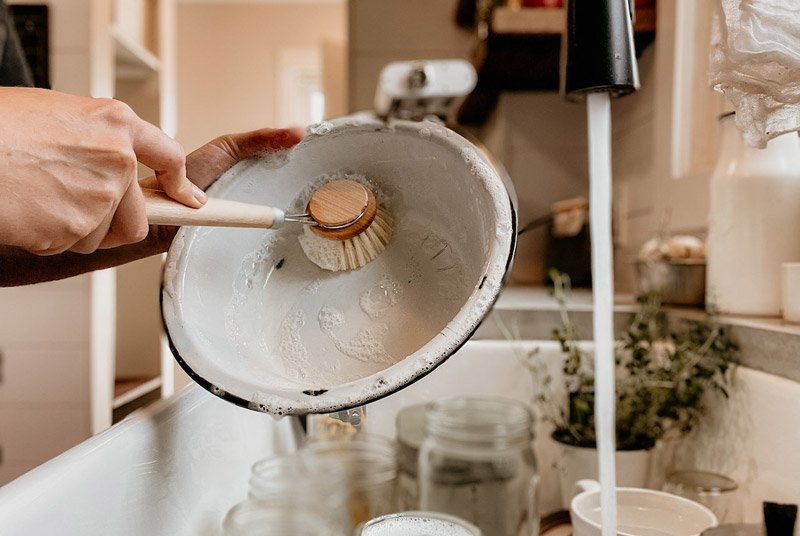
640, 512
790, 291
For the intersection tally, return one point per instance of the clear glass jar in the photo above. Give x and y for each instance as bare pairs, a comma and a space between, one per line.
278, 518
410, 426
312, 481
477, 463
419, 524
716, 492
370, 464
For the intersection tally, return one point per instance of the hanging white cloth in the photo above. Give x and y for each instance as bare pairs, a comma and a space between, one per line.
755, 62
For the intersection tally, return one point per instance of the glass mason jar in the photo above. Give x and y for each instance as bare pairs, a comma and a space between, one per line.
370, 465
716, 492
477, 463
410, 426
279, 518
312, 481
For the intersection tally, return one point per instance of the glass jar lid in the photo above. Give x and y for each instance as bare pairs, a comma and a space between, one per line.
702, 482
476, 420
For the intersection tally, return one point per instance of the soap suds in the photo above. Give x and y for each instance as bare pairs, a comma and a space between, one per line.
381, 297
365, 346
409, 524
327, 254
292, 348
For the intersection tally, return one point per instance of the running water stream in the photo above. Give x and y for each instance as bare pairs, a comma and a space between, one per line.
598, 107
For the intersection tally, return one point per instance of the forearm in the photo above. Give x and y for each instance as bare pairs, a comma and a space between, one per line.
19, 267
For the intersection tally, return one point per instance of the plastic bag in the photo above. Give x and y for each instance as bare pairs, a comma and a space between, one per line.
755, 62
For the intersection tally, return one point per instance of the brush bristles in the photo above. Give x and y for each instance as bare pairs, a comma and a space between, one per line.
339, 255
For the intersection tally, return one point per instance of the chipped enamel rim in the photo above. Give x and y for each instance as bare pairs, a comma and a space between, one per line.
291, 401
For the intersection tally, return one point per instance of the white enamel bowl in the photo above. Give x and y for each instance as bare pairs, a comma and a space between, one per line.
641, 512
252, 320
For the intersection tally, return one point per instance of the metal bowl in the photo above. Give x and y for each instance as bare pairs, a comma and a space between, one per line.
678, 282
252, 320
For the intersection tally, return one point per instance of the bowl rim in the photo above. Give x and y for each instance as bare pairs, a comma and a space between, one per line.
319, 400
676, 499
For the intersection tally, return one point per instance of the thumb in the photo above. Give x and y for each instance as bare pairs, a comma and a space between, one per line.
165, 156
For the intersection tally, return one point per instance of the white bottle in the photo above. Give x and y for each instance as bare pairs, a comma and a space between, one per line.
754, 222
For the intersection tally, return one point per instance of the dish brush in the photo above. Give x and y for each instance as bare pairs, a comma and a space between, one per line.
345, 226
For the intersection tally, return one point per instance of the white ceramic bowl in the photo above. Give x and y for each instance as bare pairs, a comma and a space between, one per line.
642, 512
253, 321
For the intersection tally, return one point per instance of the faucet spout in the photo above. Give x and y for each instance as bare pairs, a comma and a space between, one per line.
597, 53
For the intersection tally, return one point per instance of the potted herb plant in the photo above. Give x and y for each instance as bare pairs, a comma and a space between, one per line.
665, 377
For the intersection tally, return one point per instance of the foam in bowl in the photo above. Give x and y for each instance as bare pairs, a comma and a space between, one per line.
418, 525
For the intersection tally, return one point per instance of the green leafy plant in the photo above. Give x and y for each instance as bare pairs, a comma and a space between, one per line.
666, 372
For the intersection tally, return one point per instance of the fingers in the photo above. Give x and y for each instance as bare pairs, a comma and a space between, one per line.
93, 240
165, 156
206, 164
129, 224
249, 144
125, 225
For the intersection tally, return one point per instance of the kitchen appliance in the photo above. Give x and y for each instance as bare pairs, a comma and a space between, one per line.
253, 321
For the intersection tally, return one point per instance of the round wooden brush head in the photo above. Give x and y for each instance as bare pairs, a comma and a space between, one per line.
342, 209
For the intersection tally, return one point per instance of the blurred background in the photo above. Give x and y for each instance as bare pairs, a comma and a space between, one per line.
79, 354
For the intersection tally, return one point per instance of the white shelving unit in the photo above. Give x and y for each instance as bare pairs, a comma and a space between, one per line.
143, 78
132, 60
69, 349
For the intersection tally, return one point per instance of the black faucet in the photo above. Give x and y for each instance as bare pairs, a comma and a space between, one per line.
597, 53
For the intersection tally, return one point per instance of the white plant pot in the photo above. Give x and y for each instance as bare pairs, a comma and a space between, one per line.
579, 463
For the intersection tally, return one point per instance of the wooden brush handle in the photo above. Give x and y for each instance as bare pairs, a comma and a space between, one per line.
163, 210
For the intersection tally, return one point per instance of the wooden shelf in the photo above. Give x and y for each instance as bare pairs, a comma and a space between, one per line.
529, 20
522, 53
544, 21
133, 61
127, 390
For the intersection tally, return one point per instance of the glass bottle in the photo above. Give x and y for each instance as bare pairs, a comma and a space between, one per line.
477, 463
370, 465
753, 220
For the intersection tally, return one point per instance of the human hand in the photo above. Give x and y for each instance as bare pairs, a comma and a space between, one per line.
68, 169
205, 165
